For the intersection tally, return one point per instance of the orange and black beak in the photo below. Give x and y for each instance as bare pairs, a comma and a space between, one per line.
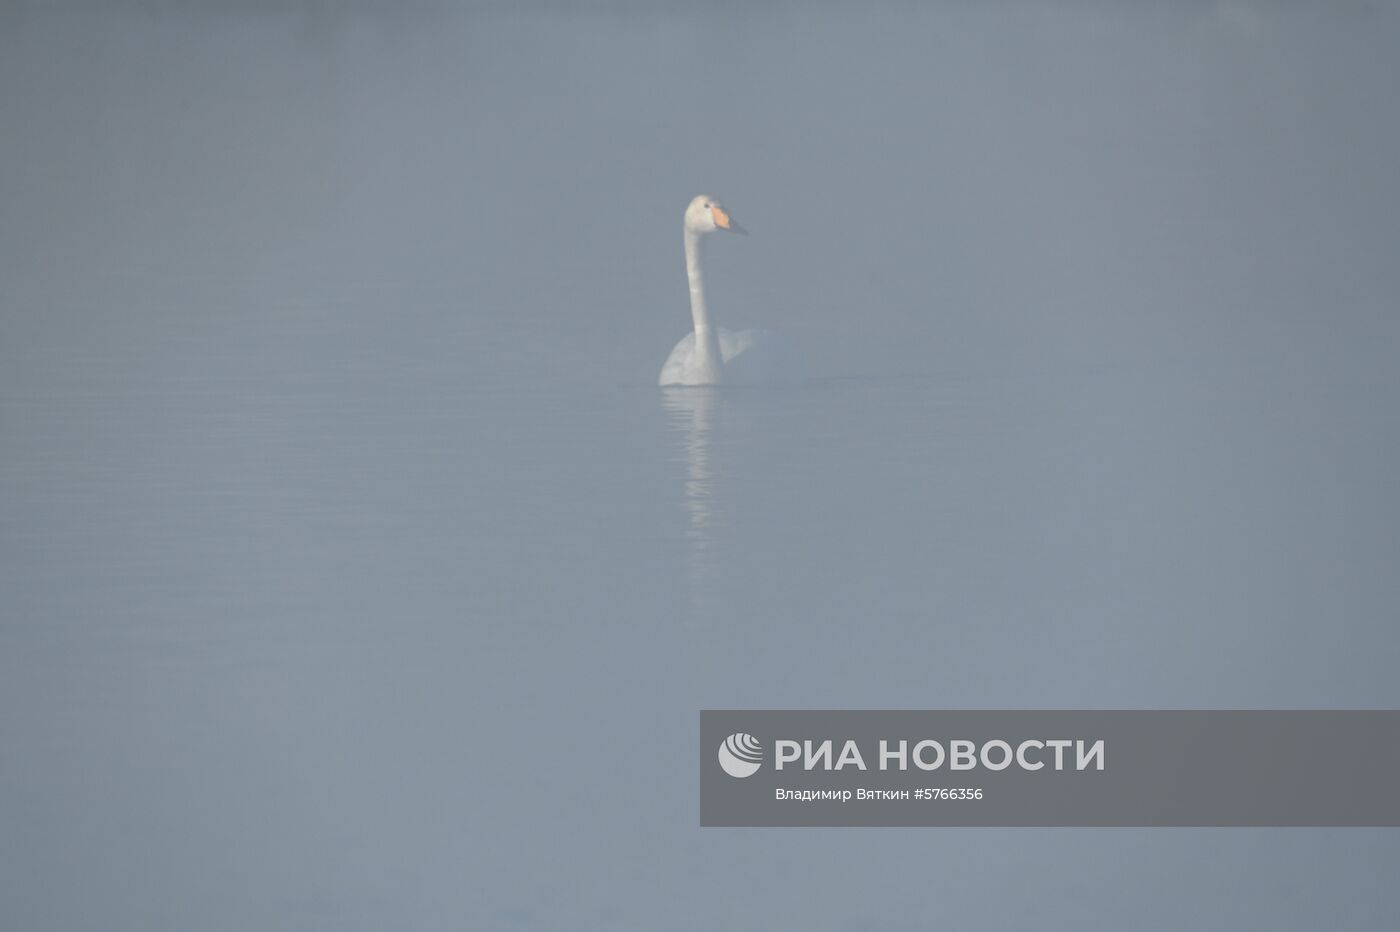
724, 223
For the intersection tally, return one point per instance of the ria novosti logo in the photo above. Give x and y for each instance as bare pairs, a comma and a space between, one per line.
740, 755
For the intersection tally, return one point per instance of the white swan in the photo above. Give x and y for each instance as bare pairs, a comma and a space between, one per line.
711, 355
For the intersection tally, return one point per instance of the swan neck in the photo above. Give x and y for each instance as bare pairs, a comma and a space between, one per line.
699, 311
706, 334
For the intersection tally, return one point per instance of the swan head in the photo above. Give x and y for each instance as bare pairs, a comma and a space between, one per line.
706, 215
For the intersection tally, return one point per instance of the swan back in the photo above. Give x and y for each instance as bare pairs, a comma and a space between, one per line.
750, 357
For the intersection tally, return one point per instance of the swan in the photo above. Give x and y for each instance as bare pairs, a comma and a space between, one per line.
711, 355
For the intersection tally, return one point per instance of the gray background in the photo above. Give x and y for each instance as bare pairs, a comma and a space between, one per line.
354, 574
1156, 768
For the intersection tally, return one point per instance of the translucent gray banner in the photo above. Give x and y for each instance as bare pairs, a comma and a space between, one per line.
1049, 768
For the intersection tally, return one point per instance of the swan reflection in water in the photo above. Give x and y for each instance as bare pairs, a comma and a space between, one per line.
692, 413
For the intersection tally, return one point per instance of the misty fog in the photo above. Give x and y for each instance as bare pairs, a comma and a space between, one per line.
356, 574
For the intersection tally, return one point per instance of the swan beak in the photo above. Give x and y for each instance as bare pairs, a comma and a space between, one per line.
724, 223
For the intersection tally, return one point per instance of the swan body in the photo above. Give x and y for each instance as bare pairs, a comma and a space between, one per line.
747, 357
709, 354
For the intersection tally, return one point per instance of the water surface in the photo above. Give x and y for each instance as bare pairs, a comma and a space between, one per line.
354, 574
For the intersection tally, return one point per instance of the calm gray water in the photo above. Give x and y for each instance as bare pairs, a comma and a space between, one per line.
355, 575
